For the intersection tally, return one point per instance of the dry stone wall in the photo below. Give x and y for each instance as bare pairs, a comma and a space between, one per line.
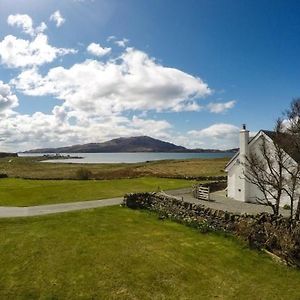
278, 235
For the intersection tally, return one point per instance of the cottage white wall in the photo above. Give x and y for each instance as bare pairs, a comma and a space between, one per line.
231, 186
255, 148
235, 182
236, 178
240, 194
254, 191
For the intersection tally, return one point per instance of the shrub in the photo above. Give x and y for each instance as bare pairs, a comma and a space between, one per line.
83, 174
286, 206
3, 175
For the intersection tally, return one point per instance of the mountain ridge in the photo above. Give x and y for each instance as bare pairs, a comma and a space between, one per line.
125, 144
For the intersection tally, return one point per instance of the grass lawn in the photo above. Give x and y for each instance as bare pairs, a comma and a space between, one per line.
117, 253
24, 192
33, 168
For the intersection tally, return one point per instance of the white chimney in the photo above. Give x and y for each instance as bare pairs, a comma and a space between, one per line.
244, 151
244, 141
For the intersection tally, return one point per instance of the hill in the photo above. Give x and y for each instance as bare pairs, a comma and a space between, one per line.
130, 144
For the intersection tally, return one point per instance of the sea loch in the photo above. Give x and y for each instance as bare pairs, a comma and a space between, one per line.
93, 158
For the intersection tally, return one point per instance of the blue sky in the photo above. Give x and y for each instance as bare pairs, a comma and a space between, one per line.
191, 72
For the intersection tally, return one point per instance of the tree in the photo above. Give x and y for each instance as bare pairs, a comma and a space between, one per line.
265, 170
275, 168
292, 120
291, 185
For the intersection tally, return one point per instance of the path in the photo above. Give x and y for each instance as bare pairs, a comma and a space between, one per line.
30, 211
39, 210
219, 202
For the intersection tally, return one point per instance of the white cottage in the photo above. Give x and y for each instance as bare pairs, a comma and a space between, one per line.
238, 187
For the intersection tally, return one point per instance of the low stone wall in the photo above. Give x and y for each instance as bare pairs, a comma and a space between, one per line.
278, 235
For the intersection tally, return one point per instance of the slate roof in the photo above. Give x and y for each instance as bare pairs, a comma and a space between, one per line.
290, 146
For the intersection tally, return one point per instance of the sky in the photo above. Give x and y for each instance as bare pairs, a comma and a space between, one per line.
188, 72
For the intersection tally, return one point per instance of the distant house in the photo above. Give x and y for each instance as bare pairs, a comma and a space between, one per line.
238, 187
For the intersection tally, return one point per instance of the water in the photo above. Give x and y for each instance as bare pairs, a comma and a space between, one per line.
92, 158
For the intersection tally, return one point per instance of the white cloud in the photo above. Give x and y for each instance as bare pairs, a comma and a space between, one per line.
220, 107
134, 81
95, 94
216, 130
7, 99
97, 50
15, 52
57, 18
158, 128
41, 28
23, 132
219, 136
122, 43
110, 38
187, 106
25, 22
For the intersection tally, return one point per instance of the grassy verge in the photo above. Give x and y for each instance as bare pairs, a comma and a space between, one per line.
32, 168
21, 192
117, 253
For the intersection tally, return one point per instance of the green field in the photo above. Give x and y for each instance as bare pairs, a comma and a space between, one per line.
117, 253
23, 192
113, 180
33, 168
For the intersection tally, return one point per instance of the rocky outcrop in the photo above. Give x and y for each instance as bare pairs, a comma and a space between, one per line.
278, 235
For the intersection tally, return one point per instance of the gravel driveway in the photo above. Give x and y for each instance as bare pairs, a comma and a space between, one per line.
220, 201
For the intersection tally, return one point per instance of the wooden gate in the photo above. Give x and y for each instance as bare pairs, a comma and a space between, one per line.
203, 193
